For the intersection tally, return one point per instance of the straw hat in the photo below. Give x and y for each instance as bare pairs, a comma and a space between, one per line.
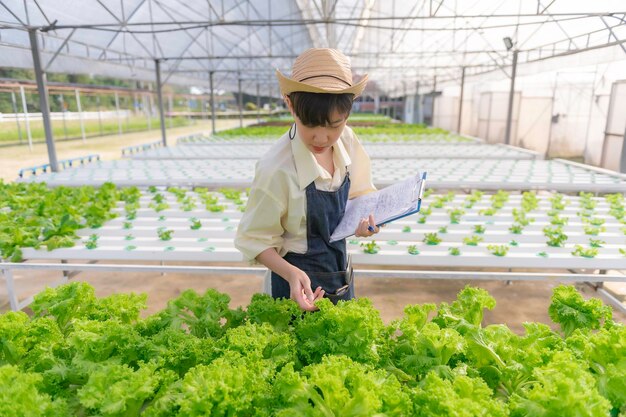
321, 70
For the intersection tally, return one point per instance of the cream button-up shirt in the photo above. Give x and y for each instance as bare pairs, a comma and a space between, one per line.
275, 216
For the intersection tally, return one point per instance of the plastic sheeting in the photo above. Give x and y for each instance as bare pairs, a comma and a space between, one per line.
396, 42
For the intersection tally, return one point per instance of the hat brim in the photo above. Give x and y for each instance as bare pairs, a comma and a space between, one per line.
288, 86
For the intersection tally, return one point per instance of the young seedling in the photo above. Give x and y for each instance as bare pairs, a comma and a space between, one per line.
556, 237
195, 223
514, 243
443, 229
542, 254
594, 231
596, 221
556, 241
488, 212
158, 198
586, 201
521, 218
455, 215
164, 234
480, 229
158, 207
585, 253
128, 225
558, 221
92, 242
131, 215
454, 251
129, 237
412, 249
529, 201
188, 204
422, 220
622, 251
161, 218
439, 202
472, 240
152, 189
516, 229
473, 198
498, 250
392, 242
370, 247
431, 239
130, 247
596, 243
216, 208
557, 202
406, 229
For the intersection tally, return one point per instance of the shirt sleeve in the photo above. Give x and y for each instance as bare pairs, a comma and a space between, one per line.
260, 227
360, 170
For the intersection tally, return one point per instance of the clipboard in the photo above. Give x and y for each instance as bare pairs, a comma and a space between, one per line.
387, 205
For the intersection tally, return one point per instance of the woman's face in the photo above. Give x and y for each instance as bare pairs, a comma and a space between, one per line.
320, 139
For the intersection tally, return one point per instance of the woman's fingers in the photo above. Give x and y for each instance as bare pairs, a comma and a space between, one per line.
372, 225
367, 227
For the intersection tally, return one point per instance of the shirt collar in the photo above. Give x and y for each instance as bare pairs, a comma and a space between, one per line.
307, 168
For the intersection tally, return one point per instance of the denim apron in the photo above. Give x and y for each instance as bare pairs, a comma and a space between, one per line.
326, 264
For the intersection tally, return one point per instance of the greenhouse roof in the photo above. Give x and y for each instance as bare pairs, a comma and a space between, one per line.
398, 43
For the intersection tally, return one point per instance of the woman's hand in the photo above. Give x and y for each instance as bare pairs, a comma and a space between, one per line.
367, 227
300, 290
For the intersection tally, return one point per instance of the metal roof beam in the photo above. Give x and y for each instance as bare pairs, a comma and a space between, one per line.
314, 34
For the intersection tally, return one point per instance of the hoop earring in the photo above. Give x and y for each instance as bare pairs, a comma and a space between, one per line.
292, 135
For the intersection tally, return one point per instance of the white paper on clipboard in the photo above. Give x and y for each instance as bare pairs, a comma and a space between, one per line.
390, 203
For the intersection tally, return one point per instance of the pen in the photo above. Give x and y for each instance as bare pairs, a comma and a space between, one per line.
370, 228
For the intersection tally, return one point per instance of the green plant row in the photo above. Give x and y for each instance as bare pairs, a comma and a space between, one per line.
263, 132
33, 215
81, 355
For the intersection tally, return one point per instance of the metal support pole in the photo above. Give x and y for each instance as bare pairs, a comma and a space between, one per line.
157, 64
147, 110
43, 100
419, 102
212, 103
26, 118
258, 103
130, 109
404, 100
170, 108
117, 113
188, 110
623, 161
509, 116
80, 114
17, 118
432, 115
458, 126
240, 104
99, 114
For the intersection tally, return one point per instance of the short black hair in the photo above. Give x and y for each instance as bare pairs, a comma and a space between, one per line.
314, 109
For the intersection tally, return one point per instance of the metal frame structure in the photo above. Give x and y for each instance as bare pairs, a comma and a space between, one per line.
190, 41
